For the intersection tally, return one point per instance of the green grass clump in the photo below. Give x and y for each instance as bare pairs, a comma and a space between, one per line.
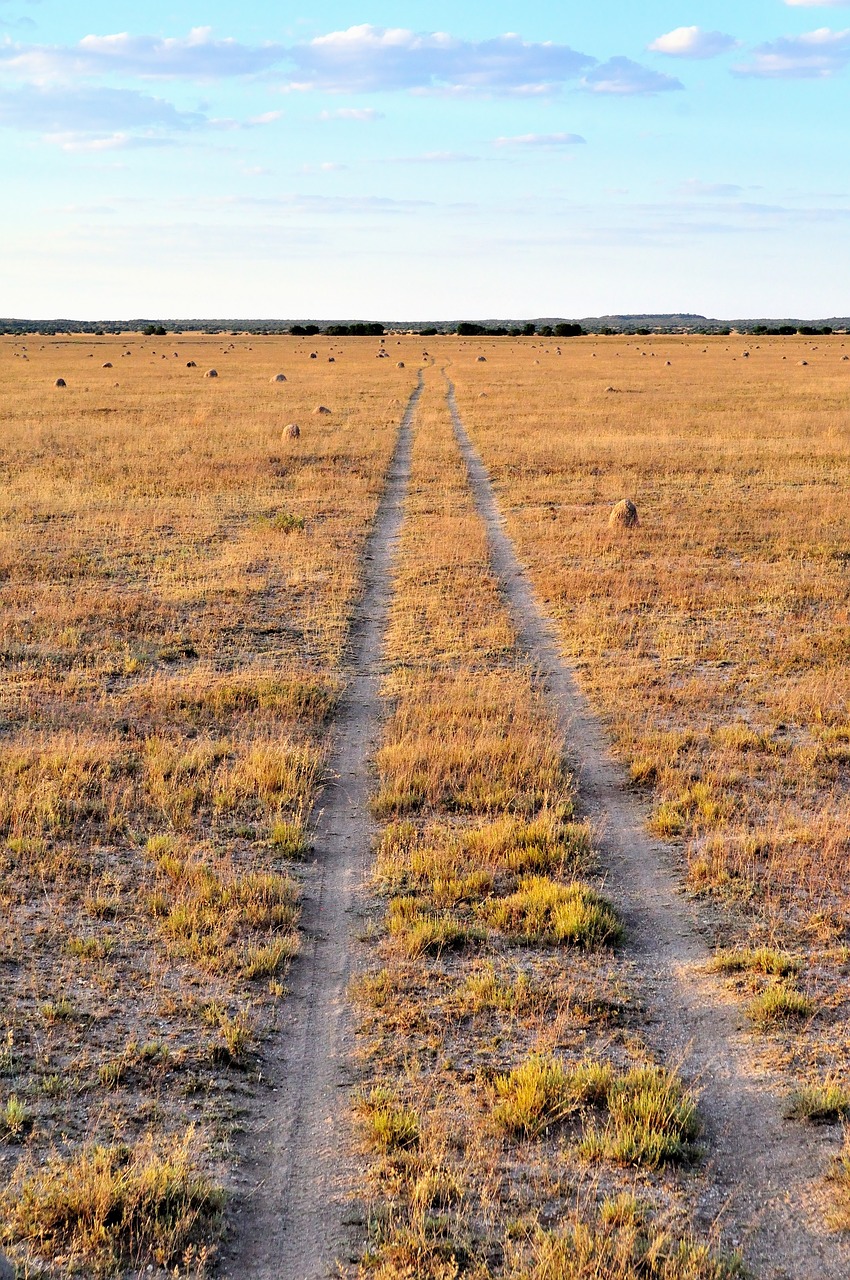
290, 840
544, 1090
819, 1103
14, 1117
115, 1208
652, 1121
388, 1125
766, 960
543, 910
422, 932
266, 961
777, 1005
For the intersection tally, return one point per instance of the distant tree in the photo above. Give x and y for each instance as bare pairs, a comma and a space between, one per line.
528, 330
569, 331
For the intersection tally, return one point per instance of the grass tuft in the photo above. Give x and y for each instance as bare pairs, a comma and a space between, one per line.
819, 1103
544, 1090
777, 1005
111, 1208
543, 910
652, 1121
764, 960
388, 1125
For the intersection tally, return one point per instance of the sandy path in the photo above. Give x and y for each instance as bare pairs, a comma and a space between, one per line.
296, 1187
761, 1174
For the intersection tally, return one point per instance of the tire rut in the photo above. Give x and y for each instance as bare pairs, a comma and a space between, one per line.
297, 1184
758, 1185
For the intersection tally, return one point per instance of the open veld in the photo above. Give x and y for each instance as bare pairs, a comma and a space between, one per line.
404, 871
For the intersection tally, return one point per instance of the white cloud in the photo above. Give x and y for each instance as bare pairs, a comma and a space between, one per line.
197, 56
89, 110
622, 76
693, 42
327, 166
541, 140
436, 157
817, 4
694, 187
109, 142
370, 59
365, 115
813, 55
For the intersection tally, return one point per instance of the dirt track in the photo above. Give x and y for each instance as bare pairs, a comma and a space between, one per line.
761, 1171
296, 1220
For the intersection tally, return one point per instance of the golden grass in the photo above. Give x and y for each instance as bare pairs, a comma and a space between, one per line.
177, 584
712, 638
484, 873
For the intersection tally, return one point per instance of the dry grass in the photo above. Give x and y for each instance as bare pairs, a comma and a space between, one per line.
177, 583
512, 1073
713, 636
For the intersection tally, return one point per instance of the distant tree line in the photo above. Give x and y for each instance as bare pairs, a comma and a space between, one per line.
362, 329
467, 329
374, 328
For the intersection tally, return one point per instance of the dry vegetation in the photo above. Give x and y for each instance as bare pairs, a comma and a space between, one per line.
712, 637
176, 584
516, 1122
177, 574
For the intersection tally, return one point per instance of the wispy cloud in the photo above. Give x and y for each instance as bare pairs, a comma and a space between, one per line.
364, 115
370, 59
70, 141
694, 187
813, 55
326, 166
622, 76
693, 42
544, 140
818, 4
101, 111
196, 56
436, 157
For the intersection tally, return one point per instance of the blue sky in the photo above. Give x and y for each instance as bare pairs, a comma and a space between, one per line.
424, 160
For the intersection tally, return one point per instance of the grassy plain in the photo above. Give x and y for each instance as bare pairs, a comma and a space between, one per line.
176, 584
177, 577
713, 639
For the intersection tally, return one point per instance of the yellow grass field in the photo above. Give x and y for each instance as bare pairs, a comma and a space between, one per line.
179, 577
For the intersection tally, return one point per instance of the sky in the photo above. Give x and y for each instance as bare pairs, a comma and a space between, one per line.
376, 160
